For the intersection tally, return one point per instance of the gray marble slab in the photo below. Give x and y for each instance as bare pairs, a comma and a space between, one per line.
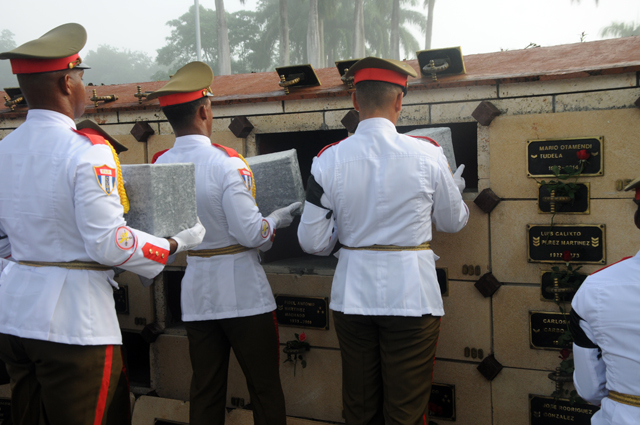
278, 180
162, 197
442, 135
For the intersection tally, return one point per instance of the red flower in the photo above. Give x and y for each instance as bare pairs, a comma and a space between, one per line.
583, 154
564, 354
566, 256
302, 337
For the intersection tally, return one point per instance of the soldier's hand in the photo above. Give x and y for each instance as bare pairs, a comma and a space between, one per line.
458, 179
189, 238
284, 216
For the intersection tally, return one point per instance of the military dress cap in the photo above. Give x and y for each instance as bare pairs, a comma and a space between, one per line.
189, 83
90, 127
377, 69
56, 50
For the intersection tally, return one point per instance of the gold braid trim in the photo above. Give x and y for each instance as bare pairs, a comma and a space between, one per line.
631, 400
227, 250
422, 247
253, 180
72, 265
124, 200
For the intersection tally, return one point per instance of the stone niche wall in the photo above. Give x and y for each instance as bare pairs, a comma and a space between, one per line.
474, 327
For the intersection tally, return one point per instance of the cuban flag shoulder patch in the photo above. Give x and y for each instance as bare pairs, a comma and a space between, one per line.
247, 177
106, 177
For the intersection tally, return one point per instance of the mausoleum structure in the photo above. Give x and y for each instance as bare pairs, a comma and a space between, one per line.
513, 117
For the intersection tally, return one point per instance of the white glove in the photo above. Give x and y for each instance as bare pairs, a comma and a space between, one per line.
284, 216
190, 238
458, 179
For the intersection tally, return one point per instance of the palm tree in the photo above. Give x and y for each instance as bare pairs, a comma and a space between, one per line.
395, 30
377, 16
621, 29
358, 30
313, 35
429, 4
284, 33
224, 57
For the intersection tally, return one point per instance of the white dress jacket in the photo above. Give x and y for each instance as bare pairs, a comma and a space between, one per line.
58, 203
382, 188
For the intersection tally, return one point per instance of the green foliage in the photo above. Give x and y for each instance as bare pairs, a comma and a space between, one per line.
621, 29
110, 65
7, 79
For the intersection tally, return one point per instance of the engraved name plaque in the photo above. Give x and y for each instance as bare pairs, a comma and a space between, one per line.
5, 409
308, 312
442, 402
547, 244
546, 281
543, 155
545, 328
559, 411
549, 203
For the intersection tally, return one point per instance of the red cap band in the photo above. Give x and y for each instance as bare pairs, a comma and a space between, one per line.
177, 98
379, 74
33, 66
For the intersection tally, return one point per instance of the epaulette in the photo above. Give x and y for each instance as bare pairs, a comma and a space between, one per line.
157, 155
232, 153
428, 139
328, 146
95, 139
612, 264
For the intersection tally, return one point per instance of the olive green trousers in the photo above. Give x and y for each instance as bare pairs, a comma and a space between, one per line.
387, 367
254, 340
63, 384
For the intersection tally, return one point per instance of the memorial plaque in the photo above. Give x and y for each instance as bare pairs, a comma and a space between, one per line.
547, 244
443, 280
545, 328
543, 155
579, 205
546, 281
308, 312
545, 410
121, 297
5, 410
442, 402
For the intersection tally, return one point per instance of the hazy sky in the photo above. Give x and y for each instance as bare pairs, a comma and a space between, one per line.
476, 26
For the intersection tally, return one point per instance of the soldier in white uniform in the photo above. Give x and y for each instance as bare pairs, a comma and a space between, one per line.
60, 206
226, 299
379, 192
606, 330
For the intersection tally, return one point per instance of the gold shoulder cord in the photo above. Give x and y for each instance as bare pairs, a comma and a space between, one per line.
124, 200
253, 180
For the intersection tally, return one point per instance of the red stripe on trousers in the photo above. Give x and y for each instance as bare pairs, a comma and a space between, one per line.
275, 322
104, 388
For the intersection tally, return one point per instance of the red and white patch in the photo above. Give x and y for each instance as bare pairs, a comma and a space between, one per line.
247, 177
266, 229
125, 238
106, 177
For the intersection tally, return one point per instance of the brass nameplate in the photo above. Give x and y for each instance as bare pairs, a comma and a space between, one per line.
546, 281
585, 242
545, 328
302, 312
121, 297
548, 204
442, 402
5, 408
543, 155
545, 410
